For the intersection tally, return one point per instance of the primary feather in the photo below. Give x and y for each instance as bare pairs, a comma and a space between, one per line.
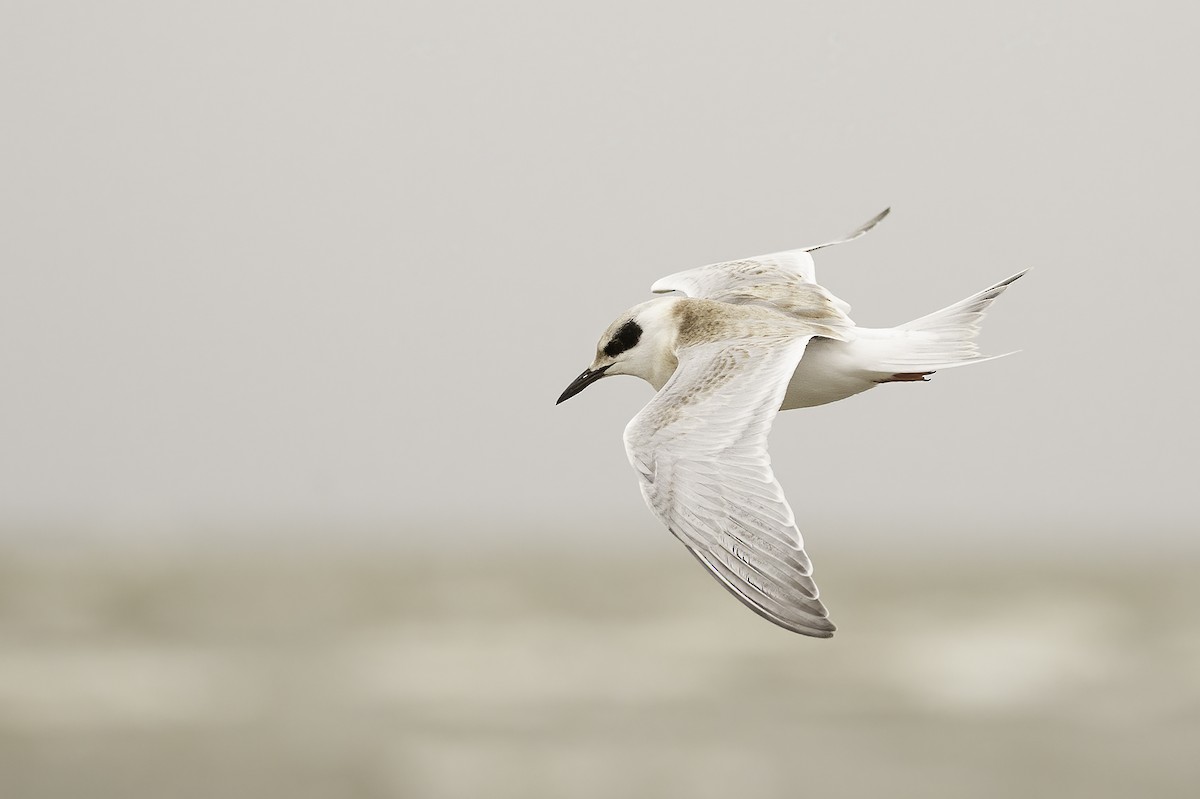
700, 450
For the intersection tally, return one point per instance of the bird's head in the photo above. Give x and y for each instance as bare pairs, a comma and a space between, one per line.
641, 342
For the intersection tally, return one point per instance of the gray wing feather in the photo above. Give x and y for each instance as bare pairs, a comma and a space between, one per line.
861, 230
768, 281
700, 451
785, 281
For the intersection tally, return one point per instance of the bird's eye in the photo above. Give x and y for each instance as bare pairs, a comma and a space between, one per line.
625, 339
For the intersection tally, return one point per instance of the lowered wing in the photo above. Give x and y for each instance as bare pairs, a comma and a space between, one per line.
700, 451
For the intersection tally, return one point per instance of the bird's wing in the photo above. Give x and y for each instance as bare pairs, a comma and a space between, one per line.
786, 281
861, 230
700, 451
770, 281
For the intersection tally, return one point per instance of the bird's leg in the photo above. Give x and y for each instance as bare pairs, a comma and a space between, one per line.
906, 377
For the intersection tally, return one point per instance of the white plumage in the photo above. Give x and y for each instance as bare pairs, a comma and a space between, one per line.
752, 337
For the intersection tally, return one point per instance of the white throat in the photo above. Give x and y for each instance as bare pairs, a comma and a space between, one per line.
654, 359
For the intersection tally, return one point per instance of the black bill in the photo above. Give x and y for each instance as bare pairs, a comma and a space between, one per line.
580, 383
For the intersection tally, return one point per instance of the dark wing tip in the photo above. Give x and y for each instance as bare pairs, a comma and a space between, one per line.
861, 230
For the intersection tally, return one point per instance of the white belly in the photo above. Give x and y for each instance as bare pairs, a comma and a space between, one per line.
829, 371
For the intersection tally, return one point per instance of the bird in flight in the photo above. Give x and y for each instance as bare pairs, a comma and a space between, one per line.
736, 343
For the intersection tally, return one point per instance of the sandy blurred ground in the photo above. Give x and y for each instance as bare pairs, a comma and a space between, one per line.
177, 674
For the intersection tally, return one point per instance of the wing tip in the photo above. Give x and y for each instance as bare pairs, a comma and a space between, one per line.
825, 630
816, 633
1008, 281
803, 619
858, 232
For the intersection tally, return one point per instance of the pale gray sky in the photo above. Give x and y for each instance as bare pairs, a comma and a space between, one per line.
333, 262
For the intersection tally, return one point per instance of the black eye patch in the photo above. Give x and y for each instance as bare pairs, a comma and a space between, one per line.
625, 339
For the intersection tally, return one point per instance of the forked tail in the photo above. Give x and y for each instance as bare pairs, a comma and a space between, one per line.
945, 338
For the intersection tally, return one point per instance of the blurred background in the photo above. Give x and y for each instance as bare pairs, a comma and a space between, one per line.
289, 290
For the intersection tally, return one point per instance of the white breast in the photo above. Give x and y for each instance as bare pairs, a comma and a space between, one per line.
829, 371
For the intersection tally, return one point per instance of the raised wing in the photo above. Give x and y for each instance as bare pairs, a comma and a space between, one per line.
700, 451
861, 230
781, 268
766, 281
786, 281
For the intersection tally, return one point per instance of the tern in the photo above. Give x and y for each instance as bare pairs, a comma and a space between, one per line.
735, 343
